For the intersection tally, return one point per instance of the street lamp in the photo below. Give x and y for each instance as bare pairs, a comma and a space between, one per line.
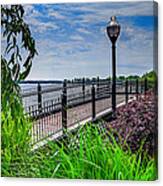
113, 31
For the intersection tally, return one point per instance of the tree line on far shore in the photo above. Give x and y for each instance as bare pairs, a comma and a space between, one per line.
150, 76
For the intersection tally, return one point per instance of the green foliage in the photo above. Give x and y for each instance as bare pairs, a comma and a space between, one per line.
151, 78
132, 77
15, 127
18, 36
121, 78
150, 75
16, 137
90, 155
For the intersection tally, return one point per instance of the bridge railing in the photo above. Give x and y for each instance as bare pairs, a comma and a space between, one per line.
55, 107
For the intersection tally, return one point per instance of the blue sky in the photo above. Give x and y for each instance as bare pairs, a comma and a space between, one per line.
72, 42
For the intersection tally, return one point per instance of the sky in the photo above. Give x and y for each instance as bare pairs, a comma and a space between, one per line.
71, 39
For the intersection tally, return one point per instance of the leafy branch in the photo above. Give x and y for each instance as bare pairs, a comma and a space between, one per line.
18, 36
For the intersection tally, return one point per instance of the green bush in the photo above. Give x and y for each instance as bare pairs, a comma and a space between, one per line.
151, 79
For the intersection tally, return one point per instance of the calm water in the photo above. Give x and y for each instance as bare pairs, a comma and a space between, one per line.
54, 96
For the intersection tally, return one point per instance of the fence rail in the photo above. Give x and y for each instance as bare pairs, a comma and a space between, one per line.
60, 105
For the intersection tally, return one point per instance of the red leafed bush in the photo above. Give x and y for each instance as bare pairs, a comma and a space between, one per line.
137, 121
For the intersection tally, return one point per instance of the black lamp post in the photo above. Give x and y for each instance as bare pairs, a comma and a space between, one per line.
113, 31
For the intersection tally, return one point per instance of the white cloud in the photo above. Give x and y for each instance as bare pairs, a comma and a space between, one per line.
77, 38
103, 11
40, 26
83, 30
121, 9
44, 26
31, 17
55, 14
31, 11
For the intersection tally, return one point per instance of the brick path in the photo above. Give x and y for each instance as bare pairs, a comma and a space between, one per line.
53, 123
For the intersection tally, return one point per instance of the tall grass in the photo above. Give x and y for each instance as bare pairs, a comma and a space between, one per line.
91, 155
15, 135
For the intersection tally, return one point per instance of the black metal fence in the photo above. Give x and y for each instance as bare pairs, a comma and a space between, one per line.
55, 106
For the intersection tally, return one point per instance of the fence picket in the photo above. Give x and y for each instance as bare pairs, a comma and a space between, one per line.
39, 98
93, 103
64, 107
126, 91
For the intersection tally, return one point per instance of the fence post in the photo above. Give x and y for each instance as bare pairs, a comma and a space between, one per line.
83, 88
126, 91
130, 86
98, 85
64, 106
145, 86
109, 90
137, 88
39, 98
93, 103
142, 86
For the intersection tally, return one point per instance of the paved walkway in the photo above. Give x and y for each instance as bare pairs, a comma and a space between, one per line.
52, 124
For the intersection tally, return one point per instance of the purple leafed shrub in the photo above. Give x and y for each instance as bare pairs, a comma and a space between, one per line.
137, 121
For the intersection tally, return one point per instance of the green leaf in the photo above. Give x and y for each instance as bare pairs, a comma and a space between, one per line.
15, 70
13, 27
27, 62
8, 37
26, 72
9, 49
